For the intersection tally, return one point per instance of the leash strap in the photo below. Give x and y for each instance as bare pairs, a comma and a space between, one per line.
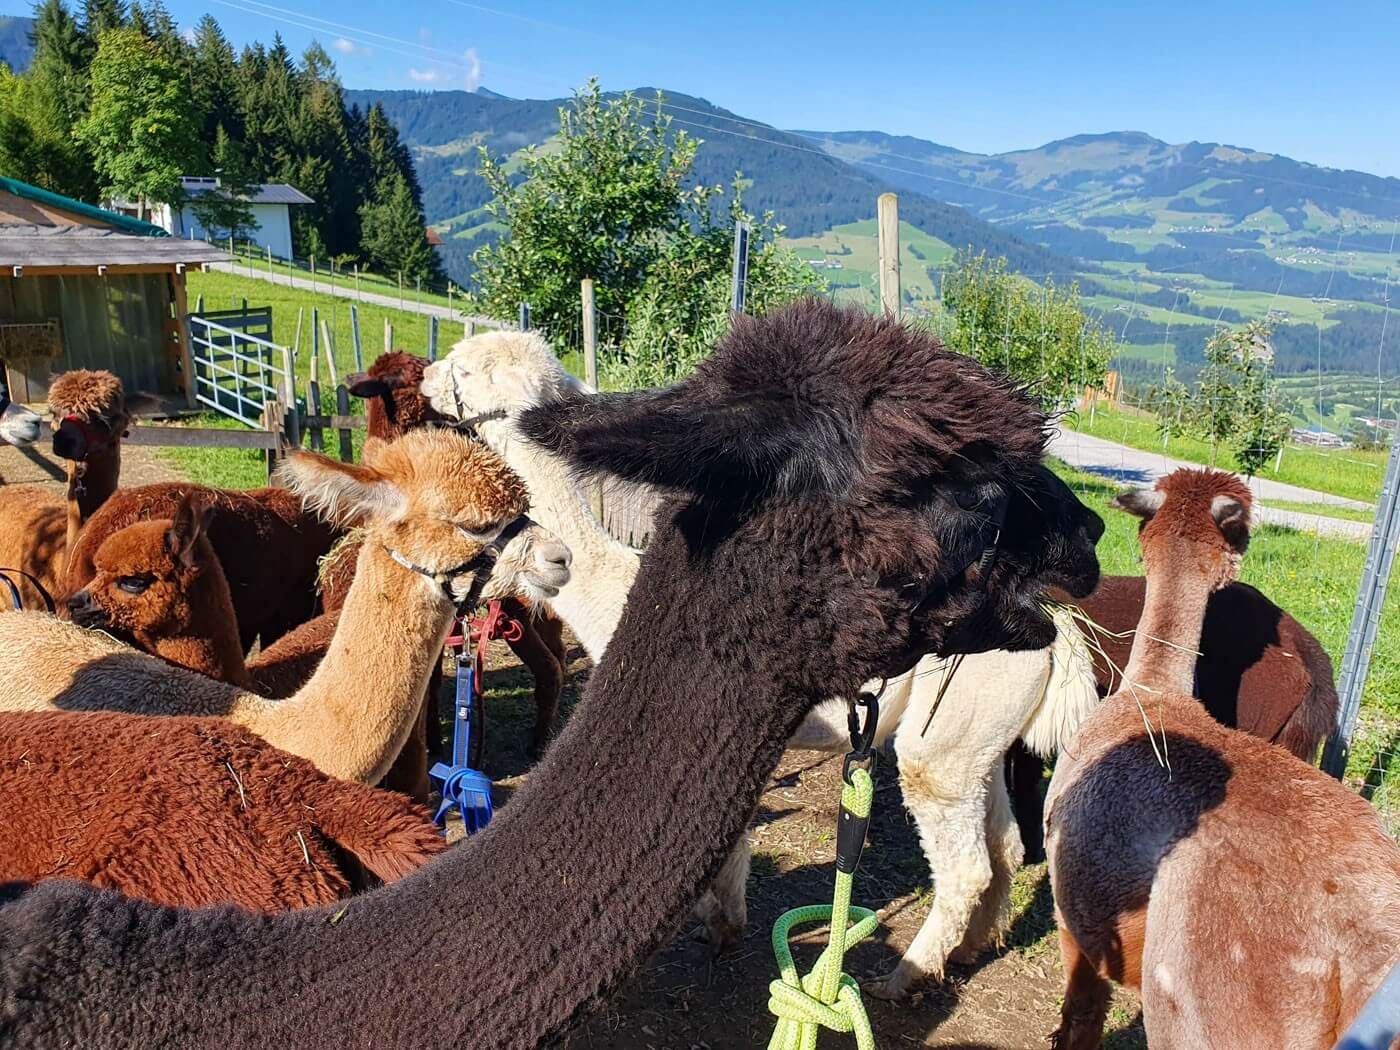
17, 600
827, 997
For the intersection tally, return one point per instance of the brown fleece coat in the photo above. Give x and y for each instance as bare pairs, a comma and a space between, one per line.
191, 812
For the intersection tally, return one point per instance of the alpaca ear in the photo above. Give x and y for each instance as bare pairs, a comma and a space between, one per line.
1140, 502
1232, 519
342, 493
191, 521
362, 385
673, 439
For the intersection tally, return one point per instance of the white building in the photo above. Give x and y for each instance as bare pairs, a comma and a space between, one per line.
271, 203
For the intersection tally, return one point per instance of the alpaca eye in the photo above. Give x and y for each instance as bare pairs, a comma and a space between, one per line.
133, 584
967, 499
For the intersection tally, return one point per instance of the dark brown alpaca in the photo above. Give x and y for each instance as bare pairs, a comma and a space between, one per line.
393, 405
90, 415
267, 544
839, 460
191, 812
1250, 899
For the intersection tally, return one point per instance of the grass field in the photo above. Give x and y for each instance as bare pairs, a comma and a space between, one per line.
369, 282
917, 252
1341, 472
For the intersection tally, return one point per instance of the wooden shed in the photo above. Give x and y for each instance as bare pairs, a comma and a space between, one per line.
81, 287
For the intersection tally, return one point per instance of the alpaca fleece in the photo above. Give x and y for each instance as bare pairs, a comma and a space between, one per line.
640, 800
267, 543
191, 812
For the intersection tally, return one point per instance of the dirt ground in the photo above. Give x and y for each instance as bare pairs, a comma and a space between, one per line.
38, 465
683, 999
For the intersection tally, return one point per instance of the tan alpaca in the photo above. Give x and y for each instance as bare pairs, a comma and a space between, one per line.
434, 505
1249, 898
90, 414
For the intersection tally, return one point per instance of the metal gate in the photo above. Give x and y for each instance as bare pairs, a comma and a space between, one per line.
237, 366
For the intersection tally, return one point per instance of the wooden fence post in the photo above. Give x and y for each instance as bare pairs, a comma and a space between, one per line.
468, 328
329, 346
355, 337
272, 423
739, 288
342, 408
888, 209
388, 336
590, 376
313, 388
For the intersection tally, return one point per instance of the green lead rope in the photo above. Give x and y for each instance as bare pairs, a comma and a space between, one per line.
826, 997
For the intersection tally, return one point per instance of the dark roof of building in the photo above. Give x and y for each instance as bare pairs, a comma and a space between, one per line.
125, 223
84, 246
267, 193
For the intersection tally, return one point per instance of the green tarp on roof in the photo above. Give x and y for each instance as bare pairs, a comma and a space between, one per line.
124, 223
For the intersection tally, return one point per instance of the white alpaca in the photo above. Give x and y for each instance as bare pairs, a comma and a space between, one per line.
951, 774
18, 425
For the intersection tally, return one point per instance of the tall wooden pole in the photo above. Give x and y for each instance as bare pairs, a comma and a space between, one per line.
590, 335
889, 254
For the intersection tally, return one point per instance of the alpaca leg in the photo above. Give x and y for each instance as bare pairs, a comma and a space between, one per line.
993, 912
1087, 993
1025, 770
723, 907
540, 648
952, 828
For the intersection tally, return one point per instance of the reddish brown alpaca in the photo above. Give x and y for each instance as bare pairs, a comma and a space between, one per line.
90, 415
192, 812
1250, 899
158, 585
393, 406
267, 544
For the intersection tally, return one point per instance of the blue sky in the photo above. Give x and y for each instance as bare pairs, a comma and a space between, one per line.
1315, 81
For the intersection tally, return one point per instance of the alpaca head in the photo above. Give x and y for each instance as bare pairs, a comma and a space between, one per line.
445, 507
495, 375
390, 387
18, 425
89, 411
154, 578
1195, 525
852, 465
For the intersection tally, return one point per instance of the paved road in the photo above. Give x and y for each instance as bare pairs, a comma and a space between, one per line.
326, 288
1133, 466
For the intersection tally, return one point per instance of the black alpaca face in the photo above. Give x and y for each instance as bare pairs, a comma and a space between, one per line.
907, 479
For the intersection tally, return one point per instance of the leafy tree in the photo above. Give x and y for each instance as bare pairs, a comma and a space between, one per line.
600, 205
141, 128
42, 109
394, 239
1037, 335
225, 209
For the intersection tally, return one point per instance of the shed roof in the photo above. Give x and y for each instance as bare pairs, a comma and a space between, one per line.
266, 193
91, 246
125, 223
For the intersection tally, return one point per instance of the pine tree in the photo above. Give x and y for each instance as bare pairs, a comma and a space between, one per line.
215, 81
225, 210
99, 16
393, 237
46, 107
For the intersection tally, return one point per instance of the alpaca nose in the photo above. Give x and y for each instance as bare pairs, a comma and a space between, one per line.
80, 603
554, 555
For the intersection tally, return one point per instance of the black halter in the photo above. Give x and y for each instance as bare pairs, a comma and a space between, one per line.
481, 564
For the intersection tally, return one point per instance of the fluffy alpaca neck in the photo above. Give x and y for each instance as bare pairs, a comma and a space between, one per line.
1168, 635
603, 569
587, 871
352, 717
209, 643
100, 475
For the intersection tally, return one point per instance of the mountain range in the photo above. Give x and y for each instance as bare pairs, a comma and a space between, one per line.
15, 48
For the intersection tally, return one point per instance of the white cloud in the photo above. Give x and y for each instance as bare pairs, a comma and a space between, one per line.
473, 69
425, 76
345, 47
189, 35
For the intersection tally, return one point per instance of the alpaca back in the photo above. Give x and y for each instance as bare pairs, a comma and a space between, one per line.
192, 812
1261, 897
33, 538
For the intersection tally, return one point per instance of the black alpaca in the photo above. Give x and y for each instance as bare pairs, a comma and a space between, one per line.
836, 484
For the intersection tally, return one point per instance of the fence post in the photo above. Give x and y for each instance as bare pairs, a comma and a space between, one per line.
272, 423
1366, 617
418, 288
590, 376
400, 290
313, 275
357, 281
468, 328
388, 336
342, 408
888, 211
329, 346
739, 288
432, 337
524, 317
355, 337
313, 387
293, 422
269, 262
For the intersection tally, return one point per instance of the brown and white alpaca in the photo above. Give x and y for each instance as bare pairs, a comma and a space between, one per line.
191, 812
821, 454
1250, 899
38, 528
393, 407
444, 520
